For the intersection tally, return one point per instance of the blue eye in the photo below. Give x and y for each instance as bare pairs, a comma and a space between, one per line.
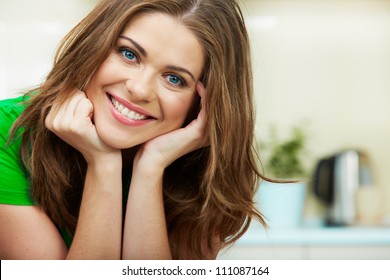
128, 54
174, 79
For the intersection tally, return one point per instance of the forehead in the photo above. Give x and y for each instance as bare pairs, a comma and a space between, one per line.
166, 37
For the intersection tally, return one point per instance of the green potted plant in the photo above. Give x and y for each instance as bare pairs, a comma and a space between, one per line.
285, 157
282, 203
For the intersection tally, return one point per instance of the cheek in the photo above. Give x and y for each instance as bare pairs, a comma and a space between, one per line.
93, 85
89, 90
95, 88
178, 110
103, 75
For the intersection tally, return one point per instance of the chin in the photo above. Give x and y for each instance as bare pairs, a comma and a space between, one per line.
117, 142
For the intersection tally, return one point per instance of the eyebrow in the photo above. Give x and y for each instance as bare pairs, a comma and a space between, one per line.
181, 69
145, 54
138, 46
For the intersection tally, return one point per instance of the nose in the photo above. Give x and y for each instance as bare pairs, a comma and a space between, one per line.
141, 85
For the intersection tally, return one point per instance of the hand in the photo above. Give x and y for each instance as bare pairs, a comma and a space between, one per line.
72, 122
165, 149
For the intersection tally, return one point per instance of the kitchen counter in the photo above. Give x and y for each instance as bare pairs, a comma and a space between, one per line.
311, 243
257, 235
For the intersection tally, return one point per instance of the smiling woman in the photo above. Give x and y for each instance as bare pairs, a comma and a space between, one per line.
139, 144
149, 78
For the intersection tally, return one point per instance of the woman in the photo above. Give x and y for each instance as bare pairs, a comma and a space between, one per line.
123, 151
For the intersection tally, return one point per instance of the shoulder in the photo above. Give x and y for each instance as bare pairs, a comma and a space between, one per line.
14, 186
13, 105
10, 109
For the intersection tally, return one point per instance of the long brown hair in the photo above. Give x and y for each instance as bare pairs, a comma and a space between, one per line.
206, 193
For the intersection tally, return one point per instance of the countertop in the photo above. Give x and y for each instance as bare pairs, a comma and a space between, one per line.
257, 235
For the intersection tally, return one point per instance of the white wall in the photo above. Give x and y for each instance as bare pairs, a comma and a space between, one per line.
327, 64
29, 34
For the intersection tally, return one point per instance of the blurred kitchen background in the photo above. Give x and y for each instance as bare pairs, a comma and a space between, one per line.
320, 65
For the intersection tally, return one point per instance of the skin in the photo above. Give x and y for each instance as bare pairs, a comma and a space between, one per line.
156, 74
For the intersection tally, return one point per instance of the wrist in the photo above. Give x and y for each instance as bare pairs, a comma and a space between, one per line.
106, 162
150, 161
104, 175
148, 167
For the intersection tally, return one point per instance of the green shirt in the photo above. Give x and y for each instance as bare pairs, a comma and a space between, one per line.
14, 184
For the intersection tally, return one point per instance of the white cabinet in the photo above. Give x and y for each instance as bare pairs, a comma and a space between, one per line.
304, 252
256, 252
312, 244
348, 252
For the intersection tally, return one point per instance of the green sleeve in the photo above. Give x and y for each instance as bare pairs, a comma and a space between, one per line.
14, 185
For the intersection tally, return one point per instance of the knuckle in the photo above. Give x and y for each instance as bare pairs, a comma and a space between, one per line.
74, 128
86, 103
48, 123
56, 125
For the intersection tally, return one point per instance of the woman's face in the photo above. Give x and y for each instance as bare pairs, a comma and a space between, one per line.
146, 86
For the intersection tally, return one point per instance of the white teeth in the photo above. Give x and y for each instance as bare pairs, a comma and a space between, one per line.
126, 111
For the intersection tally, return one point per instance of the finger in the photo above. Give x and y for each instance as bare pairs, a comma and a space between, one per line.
61, 115
64, 114
201, 89
202, 93
53, 114
202, 114
70, 107
83, 111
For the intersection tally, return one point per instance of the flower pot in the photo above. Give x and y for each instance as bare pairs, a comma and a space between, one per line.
281, 204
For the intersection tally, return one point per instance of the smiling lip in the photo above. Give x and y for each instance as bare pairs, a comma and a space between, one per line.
139, 116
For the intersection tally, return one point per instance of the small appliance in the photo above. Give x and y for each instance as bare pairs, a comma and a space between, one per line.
336, 181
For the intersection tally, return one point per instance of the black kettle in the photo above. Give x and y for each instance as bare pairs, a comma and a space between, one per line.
336, 181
